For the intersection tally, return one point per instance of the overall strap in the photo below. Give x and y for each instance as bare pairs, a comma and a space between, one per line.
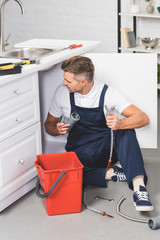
72, 102
101, 100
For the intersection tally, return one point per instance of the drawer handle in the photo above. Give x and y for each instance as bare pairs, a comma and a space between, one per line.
17, 91
21, 161
18, 120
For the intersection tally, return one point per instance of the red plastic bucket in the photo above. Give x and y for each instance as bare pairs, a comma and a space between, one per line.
60, 174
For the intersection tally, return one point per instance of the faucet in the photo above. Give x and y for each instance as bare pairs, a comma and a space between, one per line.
4, 42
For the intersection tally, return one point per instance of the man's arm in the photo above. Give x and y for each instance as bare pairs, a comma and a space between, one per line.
53, 127
135, 118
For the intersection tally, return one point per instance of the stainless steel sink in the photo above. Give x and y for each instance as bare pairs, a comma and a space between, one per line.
29, 52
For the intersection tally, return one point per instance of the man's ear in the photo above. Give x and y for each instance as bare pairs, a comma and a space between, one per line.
84, 82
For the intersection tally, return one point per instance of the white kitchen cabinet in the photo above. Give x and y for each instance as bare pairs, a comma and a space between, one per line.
16, 91
20, 128
19, 117
20, 137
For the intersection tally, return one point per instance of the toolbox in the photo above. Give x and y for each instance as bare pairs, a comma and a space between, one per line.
15, 70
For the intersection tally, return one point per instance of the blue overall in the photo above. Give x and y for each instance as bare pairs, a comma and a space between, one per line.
90, 138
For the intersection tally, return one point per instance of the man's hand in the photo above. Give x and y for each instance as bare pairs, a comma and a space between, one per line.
113, 121
53, 127
134, 118
62, 128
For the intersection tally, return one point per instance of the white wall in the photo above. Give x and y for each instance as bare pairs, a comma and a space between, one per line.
73, 19
60, 19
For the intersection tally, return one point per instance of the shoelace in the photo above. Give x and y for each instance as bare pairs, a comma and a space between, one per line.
143, 196
120, 176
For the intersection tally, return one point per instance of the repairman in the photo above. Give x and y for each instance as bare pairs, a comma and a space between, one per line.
90, 138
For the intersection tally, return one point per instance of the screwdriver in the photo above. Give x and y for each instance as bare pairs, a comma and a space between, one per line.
103, 213
73, 46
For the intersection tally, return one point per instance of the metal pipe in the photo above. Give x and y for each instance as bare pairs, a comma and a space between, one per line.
2, 47
153, 223
125, 216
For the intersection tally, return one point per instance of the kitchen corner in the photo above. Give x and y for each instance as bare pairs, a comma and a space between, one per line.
23, 107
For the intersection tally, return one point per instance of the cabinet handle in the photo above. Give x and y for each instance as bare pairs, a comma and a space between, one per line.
21, 161
18, 120
17, 91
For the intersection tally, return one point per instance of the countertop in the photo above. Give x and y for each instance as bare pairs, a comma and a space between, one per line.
50, 60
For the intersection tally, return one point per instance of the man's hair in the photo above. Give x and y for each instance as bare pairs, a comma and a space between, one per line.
80, 66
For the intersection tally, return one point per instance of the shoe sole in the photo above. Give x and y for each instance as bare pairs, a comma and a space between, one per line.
143, 208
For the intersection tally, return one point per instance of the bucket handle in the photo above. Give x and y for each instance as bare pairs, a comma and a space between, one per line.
51, 189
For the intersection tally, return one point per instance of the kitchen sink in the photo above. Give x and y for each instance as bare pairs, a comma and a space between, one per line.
29, 52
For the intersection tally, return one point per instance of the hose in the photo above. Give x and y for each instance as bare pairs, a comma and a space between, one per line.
125, 216
111, 147
153, 223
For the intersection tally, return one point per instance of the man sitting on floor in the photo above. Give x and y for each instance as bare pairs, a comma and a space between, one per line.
90, 137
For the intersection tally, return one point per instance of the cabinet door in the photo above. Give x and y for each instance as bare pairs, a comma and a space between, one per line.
17, 156
19, 117
135, 76
19, 90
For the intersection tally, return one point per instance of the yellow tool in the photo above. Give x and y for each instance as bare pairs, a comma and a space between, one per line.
12, 65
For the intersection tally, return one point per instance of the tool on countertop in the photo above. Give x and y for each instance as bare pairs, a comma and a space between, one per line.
37, 60
73, 46
15, 70
13, 65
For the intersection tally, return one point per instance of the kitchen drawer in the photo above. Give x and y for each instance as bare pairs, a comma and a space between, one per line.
18, 90
19, 117
18, 154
